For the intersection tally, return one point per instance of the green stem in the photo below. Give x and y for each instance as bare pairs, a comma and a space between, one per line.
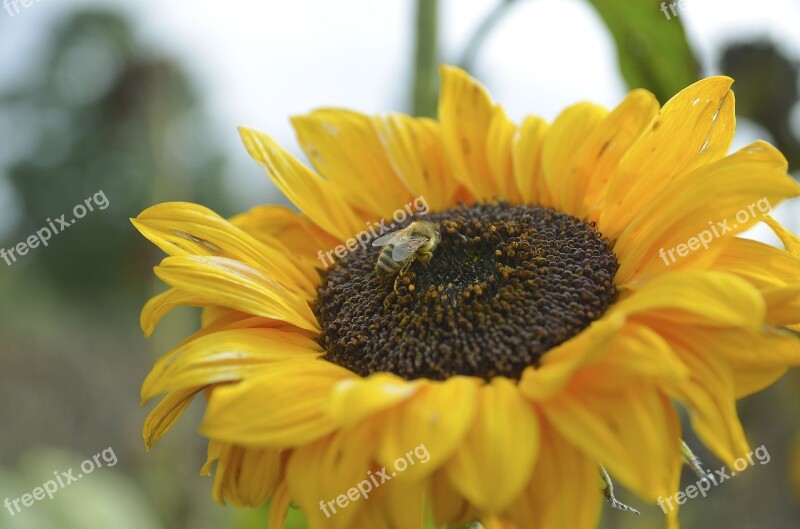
476, 41
426, 58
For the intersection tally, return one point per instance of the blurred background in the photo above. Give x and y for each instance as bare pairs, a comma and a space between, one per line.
140, 101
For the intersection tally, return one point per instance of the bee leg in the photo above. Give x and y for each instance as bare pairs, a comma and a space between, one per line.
608, 493
424, 257
400, 273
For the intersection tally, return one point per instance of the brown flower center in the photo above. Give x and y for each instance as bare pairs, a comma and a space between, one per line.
505, 284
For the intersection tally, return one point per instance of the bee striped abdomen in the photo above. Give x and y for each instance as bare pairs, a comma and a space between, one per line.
386, 266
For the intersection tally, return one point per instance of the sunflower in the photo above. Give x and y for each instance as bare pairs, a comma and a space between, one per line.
586, 279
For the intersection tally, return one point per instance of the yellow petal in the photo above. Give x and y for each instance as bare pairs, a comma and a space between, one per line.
184, 229
499, 149
757, 363
697, 298
783, 305
415, 148
563, 492
527, 153
405, 504
279, 507
168, 411
344, 147
791, 242
634, 432
158, 306
605, 147
210, 315
249, 476
327, 470
709, 392
244, 476
226, 356
694, 128
356, 399
235, 320
317, 198
431, 424
637, 351
215, 449
396, 505
449, 507
265, 409
465, 112
372, 516
296, 232
561, 362
754, 359
492, 466
229, 319
228, 456
223, 281
760, 264
566, 137
697, 216
497, 523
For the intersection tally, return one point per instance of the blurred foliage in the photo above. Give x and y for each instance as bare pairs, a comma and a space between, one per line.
105, 498
653, 52
652, 49
794, 468
103, 116
98, 112
767, 90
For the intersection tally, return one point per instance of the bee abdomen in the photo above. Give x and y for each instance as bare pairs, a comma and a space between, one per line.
387, 266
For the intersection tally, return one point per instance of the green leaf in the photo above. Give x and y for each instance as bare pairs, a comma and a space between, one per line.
652, 49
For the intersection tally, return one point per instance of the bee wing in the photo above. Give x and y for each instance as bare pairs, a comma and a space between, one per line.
406, 248
387, 239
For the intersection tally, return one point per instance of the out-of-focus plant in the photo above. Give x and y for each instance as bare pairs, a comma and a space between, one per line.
653, 52
767, 90
103, 116
104, 498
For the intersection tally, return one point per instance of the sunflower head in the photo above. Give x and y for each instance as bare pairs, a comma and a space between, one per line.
567, 285
507, 284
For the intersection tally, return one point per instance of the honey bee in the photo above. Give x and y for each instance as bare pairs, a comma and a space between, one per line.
416, 242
